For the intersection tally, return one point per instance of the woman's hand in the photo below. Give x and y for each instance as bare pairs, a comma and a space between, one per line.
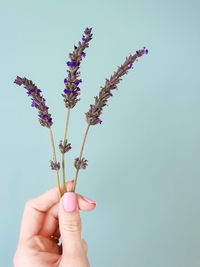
46, 216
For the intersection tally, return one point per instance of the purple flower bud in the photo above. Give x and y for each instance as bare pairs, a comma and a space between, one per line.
137, 52
100, 122
65, 80
77, 82
64, 148
88, 30
80, 164
66, 91
145, 50
84, 40
130, 65
73, 92
68, 63
83, 164
110, 94
74, 63
30, 91
43, 99
83, 54
78, 89
49, 120
80, 81
18, 80
39, 91
33, 104
44, 116
54, 165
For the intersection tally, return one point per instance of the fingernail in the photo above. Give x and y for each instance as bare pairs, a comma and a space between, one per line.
69, 201
89, 200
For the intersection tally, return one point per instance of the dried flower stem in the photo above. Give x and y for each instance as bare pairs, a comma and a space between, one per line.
64, 142
54, 158
81, 152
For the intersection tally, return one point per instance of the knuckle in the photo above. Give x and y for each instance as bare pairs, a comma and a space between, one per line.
72, 226
38, 242
29, 203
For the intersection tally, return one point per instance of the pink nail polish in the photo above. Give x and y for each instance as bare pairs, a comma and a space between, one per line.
69, 201
89, 200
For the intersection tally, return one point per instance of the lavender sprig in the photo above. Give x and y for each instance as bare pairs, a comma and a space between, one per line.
37, 101
44, 117
92, 116
72, 90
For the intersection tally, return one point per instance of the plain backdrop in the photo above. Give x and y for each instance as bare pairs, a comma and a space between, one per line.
143, 160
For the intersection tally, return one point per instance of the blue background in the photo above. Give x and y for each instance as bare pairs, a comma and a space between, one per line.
143, 159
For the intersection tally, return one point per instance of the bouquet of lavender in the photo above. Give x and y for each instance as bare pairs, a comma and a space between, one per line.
70, 98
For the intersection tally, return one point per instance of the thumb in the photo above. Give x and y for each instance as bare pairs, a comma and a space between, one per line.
70, 224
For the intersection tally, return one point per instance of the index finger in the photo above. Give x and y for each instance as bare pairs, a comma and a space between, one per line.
35, 211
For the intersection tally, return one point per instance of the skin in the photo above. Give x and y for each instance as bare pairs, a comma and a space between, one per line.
43, 217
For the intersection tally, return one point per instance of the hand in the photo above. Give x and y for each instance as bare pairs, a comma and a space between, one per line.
46, 216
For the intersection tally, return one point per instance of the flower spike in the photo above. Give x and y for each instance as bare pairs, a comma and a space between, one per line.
71, 82
37, 101
92, 116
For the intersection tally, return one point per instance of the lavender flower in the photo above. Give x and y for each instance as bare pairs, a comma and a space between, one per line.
65, 148
37, 101
54, 166
80, 164
92, 116
71, 82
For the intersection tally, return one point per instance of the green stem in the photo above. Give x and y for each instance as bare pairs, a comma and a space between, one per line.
63, 154
81, 152
54, 158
